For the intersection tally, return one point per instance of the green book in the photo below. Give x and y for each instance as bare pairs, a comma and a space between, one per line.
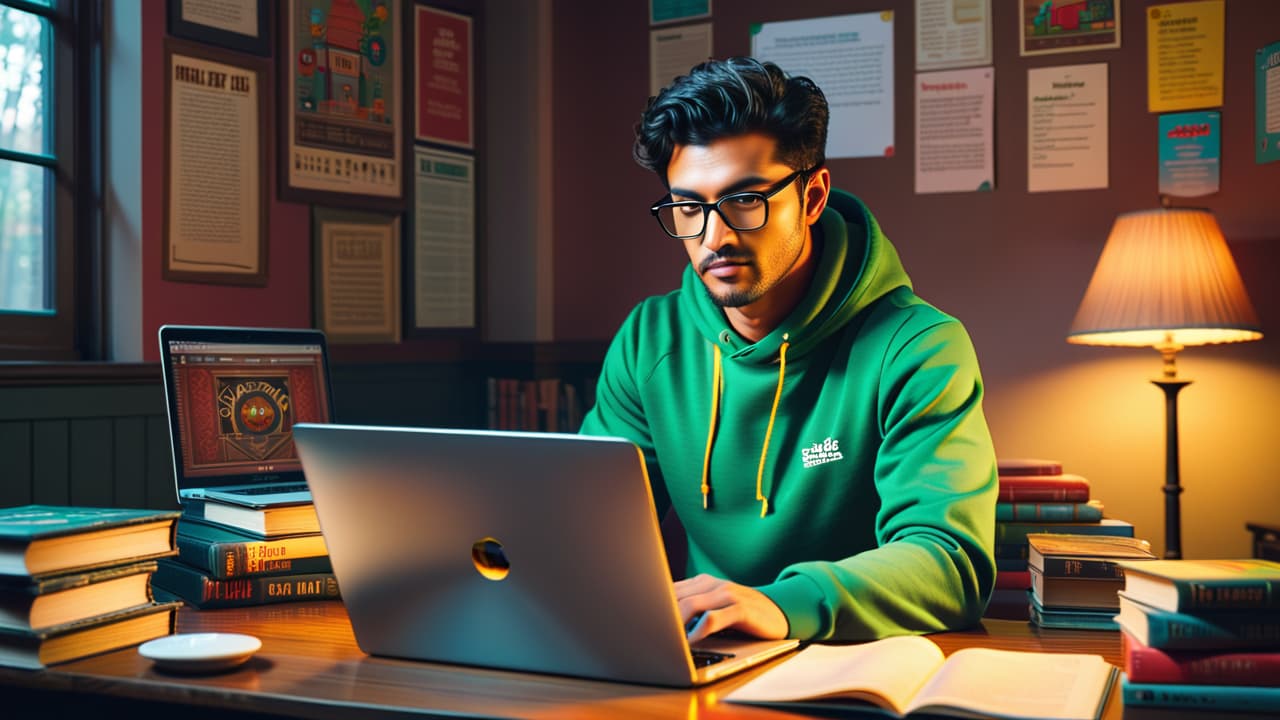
1049, 511
52, 600
1194, 585
1212, 699
46, 539
35, 649
225, 553
1017, 532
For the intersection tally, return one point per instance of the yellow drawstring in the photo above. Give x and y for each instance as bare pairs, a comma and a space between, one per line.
711, 426
768, 433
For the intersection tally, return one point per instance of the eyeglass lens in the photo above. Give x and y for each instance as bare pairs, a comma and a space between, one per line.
743, 212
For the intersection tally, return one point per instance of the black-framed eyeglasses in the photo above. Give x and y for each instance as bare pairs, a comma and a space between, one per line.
742, 211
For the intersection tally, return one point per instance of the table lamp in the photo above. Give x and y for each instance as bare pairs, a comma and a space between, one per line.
1166, 280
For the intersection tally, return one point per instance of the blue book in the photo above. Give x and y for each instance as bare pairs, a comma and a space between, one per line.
1197, 585
225, 553
1209, 698
46, 539
1218, 630
1071, 618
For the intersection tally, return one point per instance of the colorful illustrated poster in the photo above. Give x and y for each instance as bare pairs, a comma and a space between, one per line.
955, 119
952, 33
1184, 56
342, 109
1190, 153
1054, 26
851, 58
665, 11
1067, 138
443, 111
1267, 120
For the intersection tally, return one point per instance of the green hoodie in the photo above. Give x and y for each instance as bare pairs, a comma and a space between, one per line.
874, 513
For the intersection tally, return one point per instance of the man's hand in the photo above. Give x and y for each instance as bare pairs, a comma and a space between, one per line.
723, 605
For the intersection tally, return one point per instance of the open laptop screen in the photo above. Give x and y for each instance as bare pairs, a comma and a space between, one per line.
234, 396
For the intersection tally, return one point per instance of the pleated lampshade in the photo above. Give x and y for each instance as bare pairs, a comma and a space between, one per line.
1165, 277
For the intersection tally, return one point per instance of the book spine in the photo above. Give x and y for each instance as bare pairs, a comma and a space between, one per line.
1042, 493
1003, 564
241, 559
205, 592
1220, 698
1047, 512
1178, 631
1018, 532
1143, 664
1013, 579
1227, 595
1011, 551
1082, 567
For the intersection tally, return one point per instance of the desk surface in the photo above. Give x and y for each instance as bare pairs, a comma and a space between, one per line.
310, 666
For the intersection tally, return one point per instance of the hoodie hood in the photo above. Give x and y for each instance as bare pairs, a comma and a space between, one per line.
856, 266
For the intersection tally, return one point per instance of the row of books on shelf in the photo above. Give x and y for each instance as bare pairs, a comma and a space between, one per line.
77, 581
546, 404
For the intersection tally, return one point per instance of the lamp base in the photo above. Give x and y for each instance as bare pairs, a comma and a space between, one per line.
1172, 473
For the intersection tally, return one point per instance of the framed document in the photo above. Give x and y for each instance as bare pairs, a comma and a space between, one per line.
442, 276
357, 275
233, 24
443, 78
215, 215
341, 130
1056, 27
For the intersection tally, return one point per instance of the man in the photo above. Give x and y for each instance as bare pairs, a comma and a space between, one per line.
816, 427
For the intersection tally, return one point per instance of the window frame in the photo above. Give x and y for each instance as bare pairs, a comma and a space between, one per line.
72, 192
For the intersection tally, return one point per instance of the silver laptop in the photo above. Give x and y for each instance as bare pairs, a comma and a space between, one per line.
233, 396
524, 551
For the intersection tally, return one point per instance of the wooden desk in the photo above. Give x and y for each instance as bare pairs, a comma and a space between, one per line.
310, 666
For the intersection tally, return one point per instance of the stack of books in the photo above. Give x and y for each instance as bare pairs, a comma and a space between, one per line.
1036, 496
1076, 579
1202, 635
76, 581
251, 556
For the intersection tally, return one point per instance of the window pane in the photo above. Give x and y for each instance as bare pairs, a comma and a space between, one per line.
24, 75
23, 260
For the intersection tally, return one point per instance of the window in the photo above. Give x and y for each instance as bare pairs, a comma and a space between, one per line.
48, 130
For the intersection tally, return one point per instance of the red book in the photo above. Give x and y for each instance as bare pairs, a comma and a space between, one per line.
1063, 487
1145, 664
1028, 466
1013, 579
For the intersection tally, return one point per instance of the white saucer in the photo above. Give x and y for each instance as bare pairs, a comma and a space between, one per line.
200, 652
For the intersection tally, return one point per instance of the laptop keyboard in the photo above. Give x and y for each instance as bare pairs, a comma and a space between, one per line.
271, 489
704, 658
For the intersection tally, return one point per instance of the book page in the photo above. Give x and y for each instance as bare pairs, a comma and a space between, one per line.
886, 672
1013, 684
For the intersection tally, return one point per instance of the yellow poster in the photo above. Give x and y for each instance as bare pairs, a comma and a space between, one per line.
1184, 56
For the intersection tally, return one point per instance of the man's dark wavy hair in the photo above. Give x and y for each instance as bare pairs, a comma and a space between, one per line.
725, 98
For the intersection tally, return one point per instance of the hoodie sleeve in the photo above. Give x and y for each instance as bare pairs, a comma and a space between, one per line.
935, 473
619, 411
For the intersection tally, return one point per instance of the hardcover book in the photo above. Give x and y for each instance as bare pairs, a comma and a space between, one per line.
1062, 488
1084, 556
40, 648
264, 522
1072, 618
1011, 532
1066, 592
1049, 511
1027, 466
45, 539
1194, 585
49, 601
1145, 664
1207, 698
202, 591
908, 675
226, 553
1205, 630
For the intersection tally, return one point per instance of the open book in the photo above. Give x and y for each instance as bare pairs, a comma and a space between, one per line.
905, 675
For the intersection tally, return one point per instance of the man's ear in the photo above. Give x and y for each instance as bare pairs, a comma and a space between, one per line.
816, 192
